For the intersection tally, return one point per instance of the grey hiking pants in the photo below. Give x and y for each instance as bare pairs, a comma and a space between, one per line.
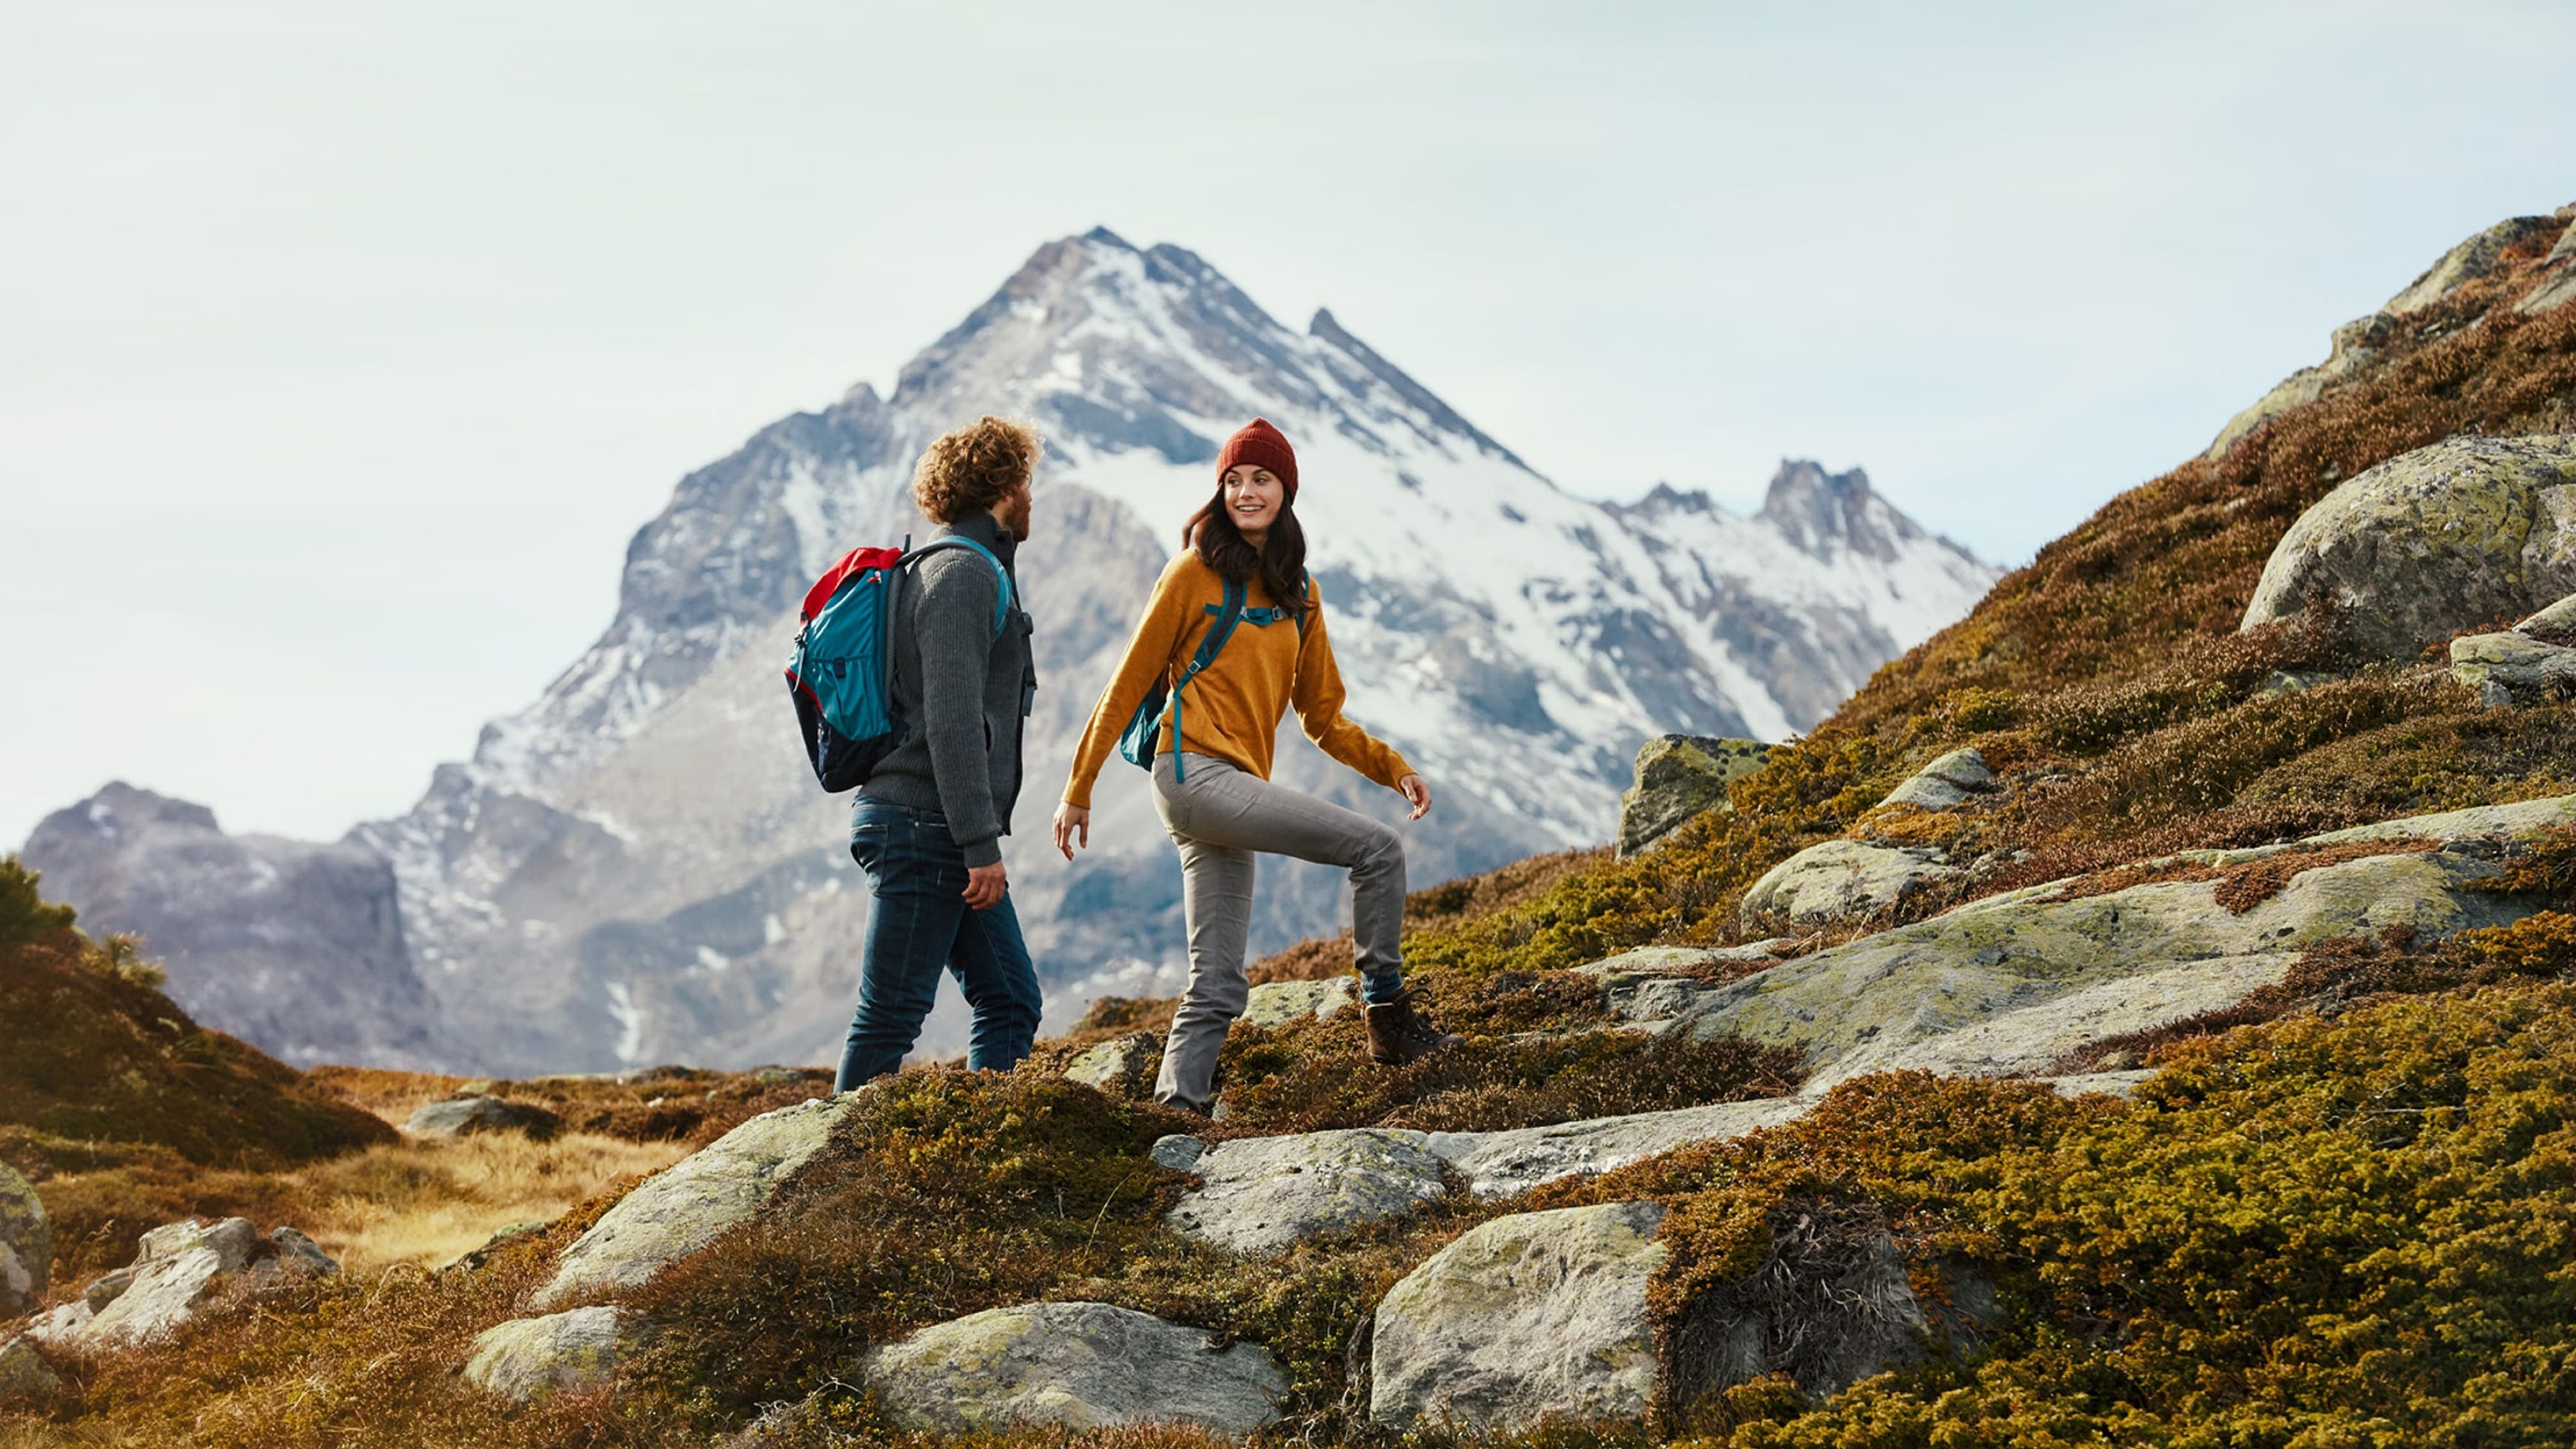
1220, 817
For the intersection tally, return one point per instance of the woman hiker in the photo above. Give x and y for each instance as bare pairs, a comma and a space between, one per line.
1212, 747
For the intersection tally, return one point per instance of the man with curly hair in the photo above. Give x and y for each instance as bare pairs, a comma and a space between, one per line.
928, 824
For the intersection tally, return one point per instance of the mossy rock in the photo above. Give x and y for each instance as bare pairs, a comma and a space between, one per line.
1526, 1319
1678, 776
26, 1245
2445, 538
529, 1358
1079, 1365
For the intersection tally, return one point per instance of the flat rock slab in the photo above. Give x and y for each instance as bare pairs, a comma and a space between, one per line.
1524, 1319
527, 1358
1672, 960
1843, 880
1276, 1003
685, 1207
26, 1245
1081, 1365
1886, 993
1258, 1195
1498, 1164
2027, 1041
2520, 823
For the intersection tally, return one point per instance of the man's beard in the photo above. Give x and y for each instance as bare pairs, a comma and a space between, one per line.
1015, 516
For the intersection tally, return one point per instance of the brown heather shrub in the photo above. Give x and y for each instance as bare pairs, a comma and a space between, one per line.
1311, 1075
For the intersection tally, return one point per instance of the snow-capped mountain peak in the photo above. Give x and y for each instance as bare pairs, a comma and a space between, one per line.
638, 866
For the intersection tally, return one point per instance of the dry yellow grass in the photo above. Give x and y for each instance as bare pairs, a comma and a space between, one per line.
425, 1202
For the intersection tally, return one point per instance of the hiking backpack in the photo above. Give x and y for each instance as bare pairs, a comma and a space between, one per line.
1136, 743
842, 673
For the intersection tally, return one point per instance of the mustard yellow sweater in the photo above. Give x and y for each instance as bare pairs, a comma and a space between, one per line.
1232, 710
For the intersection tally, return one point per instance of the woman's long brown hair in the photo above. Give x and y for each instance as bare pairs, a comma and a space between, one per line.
1280, 561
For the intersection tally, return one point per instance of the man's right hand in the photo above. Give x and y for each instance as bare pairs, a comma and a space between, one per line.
1070, 821
985, 884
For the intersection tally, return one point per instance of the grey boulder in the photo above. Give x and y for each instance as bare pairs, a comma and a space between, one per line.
173, 1271
1527, 1318
1122, 1067
22, 1369
1259, 1195
2433, 541
1945, 784
26, 1245
2514, 667
1080, 1365
527, 1358
689, 1203
460, 1116
1678, 776
1276, 1003
1499, 1164
1841, 881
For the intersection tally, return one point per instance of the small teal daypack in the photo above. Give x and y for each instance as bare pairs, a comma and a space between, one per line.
842, 673
1144, 729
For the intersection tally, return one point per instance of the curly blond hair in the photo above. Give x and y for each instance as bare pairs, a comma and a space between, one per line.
975, 467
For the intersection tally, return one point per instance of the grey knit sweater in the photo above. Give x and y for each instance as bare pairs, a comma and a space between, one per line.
966, 693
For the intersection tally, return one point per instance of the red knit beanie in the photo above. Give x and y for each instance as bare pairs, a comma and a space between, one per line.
1261, 445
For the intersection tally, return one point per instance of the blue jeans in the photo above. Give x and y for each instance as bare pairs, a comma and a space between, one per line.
918, 923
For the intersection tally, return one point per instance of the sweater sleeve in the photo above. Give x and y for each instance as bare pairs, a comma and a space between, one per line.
1318, 697
953, 624
1149, 657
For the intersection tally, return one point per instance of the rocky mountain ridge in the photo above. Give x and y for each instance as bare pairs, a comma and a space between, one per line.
637, 868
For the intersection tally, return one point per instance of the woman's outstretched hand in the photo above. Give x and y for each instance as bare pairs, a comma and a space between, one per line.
1072, 821
1415, 789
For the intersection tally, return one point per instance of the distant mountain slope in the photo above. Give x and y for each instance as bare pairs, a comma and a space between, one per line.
637, 867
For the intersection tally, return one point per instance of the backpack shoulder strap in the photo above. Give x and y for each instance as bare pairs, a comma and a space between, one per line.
1228, 615
1002, 599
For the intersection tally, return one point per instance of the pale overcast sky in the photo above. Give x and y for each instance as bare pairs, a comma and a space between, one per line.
342, 346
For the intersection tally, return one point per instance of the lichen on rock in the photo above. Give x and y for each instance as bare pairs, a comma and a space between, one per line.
688, 1204
1678, 776
527, 1358
1527, 1318
26, 1245
1259, 1195
2431, 542
1081, 1365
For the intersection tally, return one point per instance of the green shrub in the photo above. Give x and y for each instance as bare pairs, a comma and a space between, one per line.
25, 915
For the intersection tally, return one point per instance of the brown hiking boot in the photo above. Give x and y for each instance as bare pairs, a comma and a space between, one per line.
1398, 1034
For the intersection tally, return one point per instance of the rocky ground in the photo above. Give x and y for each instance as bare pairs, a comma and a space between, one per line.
2141, 1015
